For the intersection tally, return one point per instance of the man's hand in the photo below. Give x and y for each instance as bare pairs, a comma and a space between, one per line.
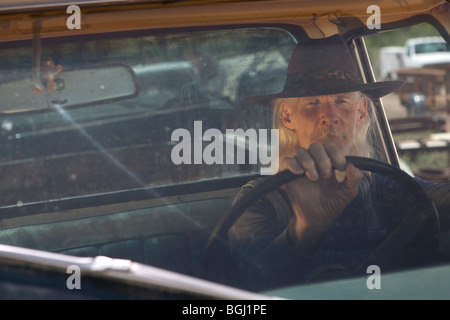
320, 197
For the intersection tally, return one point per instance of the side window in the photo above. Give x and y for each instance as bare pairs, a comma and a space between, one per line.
419, 111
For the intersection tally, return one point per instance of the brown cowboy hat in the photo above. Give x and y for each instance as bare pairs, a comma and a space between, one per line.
322, 67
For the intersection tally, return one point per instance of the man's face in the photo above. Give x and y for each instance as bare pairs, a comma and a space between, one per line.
331, 118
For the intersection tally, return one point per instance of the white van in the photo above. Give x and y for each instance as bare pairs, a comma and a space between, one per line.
425, 50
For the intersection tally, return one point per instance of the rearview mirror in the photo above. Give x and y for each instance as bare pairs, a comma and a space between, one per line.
71, 87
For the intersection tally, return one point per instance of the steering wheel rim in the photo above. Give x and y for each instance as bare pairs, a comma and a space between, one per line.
402, 236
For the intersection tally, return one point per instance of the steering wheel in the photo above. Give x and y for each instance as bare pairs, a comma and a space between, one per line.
420, 225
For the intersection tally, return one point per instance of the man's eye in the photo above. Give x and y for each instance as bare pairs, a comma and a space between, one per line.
342, 102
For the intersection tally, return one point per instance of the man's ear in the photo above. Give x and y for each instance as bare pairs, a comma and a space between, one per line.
286, 115
362, 110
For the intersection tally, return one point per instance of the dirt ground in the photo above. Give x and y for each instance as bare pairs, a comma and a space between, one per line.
393, 107
431, 166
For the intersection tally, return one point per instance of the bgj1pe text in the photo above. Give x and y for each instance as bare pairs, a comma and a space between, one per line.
241, 310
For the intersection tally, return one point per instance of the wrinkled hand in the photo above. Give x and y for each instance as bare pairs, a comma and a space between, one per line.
320, 197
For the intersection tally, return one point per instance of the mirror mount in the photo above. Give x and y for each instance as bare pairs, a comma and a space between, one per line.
44, 71
36, 55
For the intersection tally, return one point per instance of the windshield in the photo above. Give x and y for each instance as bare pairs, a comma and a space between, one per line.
115, 113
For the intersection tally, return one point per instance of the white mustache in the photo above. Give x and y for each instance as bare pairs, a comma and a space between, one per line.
326, 132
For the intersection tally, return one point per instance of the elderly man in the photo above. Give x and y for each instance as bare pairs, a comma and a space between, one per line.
337, 214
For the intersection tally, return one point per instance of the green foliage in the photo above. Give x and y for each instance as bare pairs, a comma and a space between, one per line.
398, 37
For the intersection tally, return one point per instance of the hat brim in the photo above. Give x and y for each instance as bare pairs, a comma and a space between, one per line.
373, 90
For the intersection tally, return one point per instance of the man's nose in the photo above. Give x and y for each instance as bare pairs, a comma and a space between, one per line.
329, 114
